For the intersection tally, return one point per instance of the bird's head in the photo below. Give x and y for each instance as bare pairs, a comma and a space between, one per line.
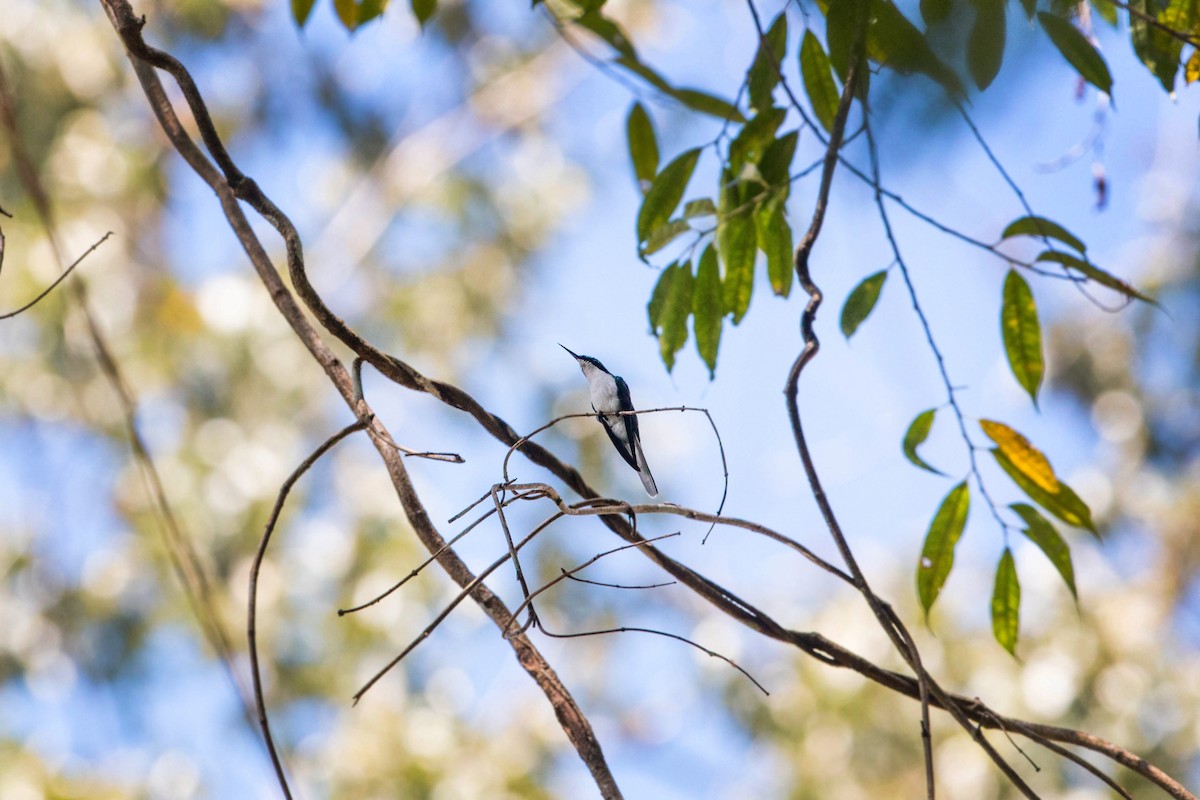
586, 363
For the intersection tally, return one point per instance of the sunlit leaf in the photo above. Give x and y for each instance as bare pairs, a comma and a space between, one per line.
818, 80
1106, 10
1092, 272
1022, 334
937, 555
1041, 532
1077, 50
1043, 228
861, 301
704, 207
677, 306
707, 103
1006, 603
1023, 455
915, 436
763, 75
664, 234
347, 12
371, 9
708, 309
665, 192
1063, 503
1191, 73
1156, 48
301, 9
775, 240
611, 32
643, 146
985, 47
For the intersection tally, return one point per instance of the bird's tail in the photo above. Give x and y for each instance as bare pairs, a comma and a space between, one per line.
644, 470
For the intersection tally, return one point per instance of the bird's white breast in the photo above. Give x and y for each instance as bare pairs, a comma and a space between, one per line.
603, 389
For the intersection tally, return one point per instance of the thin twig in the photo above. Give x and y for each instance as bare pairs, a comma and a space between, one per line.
252, 607
62, 277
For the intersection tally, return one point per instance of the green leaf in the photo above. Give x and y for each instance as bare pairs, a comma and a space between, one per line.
1157, 49
664, 194
755, 136
763, 75
1022, 334
1041, 532
643, 146
985, 47
347, 12
1063, 503
301, 9
677, 306
934, 11
843, 21
818, 80
658, 298
1106, 10
708, 309
915, 436
708, 104
370, 9
897, 43
1030, 7
664, 234
861, 301
1006, 603
1078, 51
776, 162
1092, 272
610, 32
937, 555
775, 240
1043, 228
704, 207
737, 243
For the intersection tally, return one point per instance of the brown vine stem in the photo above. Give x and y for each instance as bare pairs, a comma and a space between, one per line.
260, 704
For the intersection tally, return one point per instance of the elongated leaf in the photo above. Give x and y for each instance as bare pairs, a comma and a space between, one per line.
643, 146
1022, 334
1041, 532
915, 436
1157, 49
595, 21
1077, 50
1030, 7
897, 43
677, 306
301, 9
1092, 272
1006, 603
664, 234
664, 194
1023, 455
703, 207
861, 301
1041, 227
423, 10
737, 243
818, 80
763, 75
1191, 72
777, 162
347, 12
708, 309
775, 240
707, 103
1064, 503
754, 138
658, 298
937, 555
985, 47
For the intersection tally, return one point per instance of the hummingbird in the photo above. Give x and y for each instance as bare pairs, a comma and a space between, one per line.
610, 395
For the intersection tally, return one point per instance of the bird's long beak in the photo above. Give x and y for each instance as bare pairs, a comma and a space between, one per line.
569, 350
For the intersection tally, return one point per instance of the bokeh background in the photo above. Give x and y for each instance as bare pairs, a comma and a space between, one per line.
465, 199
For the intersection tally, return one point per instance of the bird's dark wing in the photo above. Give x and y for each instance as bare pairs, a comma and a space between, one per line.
626, 401
623, 447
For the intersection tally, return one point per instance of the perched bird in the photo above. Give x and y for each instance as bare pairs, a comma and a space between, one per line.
610, 394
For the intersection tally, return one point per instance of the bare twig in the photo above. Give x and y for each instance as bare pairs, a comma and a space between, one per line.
62, 277
252, 606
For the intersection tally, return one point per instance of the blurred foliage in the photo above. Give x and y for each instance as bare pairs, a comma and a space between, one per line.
229, 403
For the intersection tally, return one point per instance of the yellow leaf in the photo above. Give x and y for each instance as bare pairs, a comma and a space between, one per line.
1024, 456
1191, 72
